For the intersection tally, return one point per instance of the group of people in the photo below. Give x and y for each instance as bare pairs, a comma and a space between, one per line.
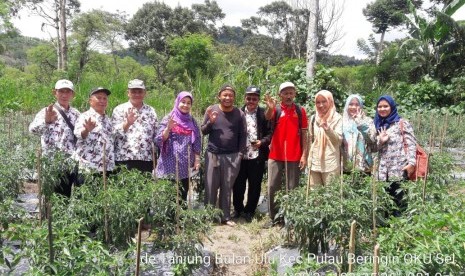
241, 141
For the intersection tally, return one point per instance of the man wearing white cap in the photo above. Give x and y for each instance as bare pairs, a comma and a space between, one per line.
288, 148
135, 125
55, 124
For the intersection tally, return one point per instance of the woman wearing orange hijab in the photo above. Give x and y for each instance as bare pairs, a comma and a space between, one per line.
326, 133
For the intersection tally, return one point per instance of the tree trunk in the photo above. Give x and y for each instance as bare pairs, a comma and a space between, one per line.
63, 38
380, 48
312, 36
58, 42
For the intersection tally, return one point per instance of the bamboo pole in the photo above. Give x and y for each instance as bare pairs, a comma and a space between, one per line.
376, 260
39, 182
50, 232
425, 179
373, 195
189, 182
352, 244
139, 242
309, 171
285, 167
107, 236
177, 194
342, 180
154, 162
431, 135
443, 136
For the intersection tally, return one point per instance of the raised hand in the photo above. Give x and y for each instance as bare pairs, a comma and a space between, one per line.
270, 101
171, 123
212, 115
131, 116
50, 115
89, 125
324, 125
383, 135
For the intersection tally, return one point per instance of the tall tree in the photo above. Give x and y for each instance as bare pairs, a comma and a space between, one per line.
209, 13
385, 14
312, 37
94, 30
56, 14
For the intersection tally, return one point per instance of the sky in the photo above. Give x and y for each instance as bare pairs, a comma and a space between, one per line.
353, 24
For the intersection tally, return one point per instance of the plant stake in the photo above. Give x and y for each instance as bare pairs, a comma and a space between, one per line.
177, 194
376, 261
139, 241
352, 243
154, 161
107, 237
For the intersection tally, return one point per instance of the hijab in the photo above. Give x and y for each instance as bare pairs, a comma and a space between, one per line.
352, 138
324, 118
393, 117
184, 120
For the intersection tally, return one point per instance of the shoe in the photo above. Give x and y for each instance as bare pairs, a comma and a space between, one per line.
229, 223
248, 217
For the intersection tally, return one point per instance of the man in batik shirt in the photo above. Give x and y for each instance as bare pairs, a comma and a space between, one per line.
94, 134
134, 125
55, 125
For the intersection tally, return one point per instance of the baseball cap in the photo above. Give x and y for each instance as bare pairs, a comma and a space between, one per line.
252, 90
227, 87
286, 85
60, 84
136, 83
99, 89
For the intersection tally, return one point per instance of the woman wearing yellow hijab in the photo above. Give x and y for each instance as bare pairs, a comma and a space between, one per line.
326, 132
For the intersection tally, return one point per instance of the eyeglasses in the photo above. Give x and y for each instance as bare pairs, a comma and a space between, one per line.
250, 99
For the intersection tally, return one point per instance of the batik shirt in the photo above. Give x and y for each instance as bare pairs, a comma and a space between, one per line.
136, 143
392, 155
252, 134
56, 136
89, 151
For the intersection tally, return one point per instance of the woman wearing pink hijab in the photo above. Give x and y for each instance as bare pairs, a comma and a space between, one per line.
178, 138
326, 134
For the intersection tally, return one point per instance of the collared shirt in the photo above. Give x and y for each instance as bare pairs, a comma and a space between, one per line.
286, 136
89, 151
252, 133
136, 142
56, 136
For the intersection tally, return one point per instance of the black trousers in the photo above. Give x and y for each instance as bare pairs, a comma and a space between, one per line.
251, 171
183, 187
66, 182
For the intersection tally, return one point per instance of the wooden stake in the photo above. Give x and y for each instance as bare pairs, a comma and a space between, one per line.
39, 182
376, 260
352, 244
139, 242
424, 180
154, 161
189, 169
309, 171
107, 235
431, 135
177, 194
50, 233
443, 136
285, 167
373, 195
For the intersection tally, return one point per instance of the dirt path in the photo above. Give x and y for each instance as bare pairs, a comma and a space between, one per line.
240, 250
